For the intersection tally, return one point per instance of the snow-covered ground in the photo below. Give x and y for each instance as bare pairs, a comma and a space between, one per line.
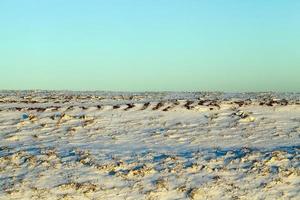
108, 145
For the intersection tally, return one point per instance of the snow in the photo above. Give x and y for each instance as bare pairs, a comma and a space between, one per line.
80, 145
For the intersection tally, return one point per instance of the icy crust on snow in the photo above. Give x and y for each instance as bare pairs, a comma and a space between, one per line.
102, 145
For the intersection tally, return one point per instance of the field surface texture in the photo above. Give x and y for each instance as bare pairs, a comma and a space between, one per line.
113, 145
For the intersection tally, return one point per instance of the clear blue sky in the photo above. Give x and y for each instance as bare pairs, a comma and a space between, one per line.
137, 45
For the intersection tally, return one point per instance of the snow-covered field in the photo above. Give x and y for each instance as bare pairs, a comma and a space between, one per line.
108, 145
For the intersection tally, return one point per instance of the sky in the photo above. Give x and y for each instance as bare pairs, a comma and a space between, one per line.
150, 45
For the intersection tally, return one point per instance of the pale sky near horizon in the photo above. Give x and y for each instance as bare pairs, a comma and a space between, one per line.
146, 45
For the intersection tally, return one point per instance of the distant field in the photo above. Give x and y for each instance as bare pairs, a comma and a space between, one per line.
167, 145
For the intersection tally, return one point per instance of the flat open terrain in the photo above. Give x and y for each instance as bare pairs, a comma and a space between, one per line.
101, 145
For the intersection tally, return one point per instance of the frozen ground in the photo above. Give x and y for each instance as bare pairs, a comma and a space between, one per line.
102, 145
